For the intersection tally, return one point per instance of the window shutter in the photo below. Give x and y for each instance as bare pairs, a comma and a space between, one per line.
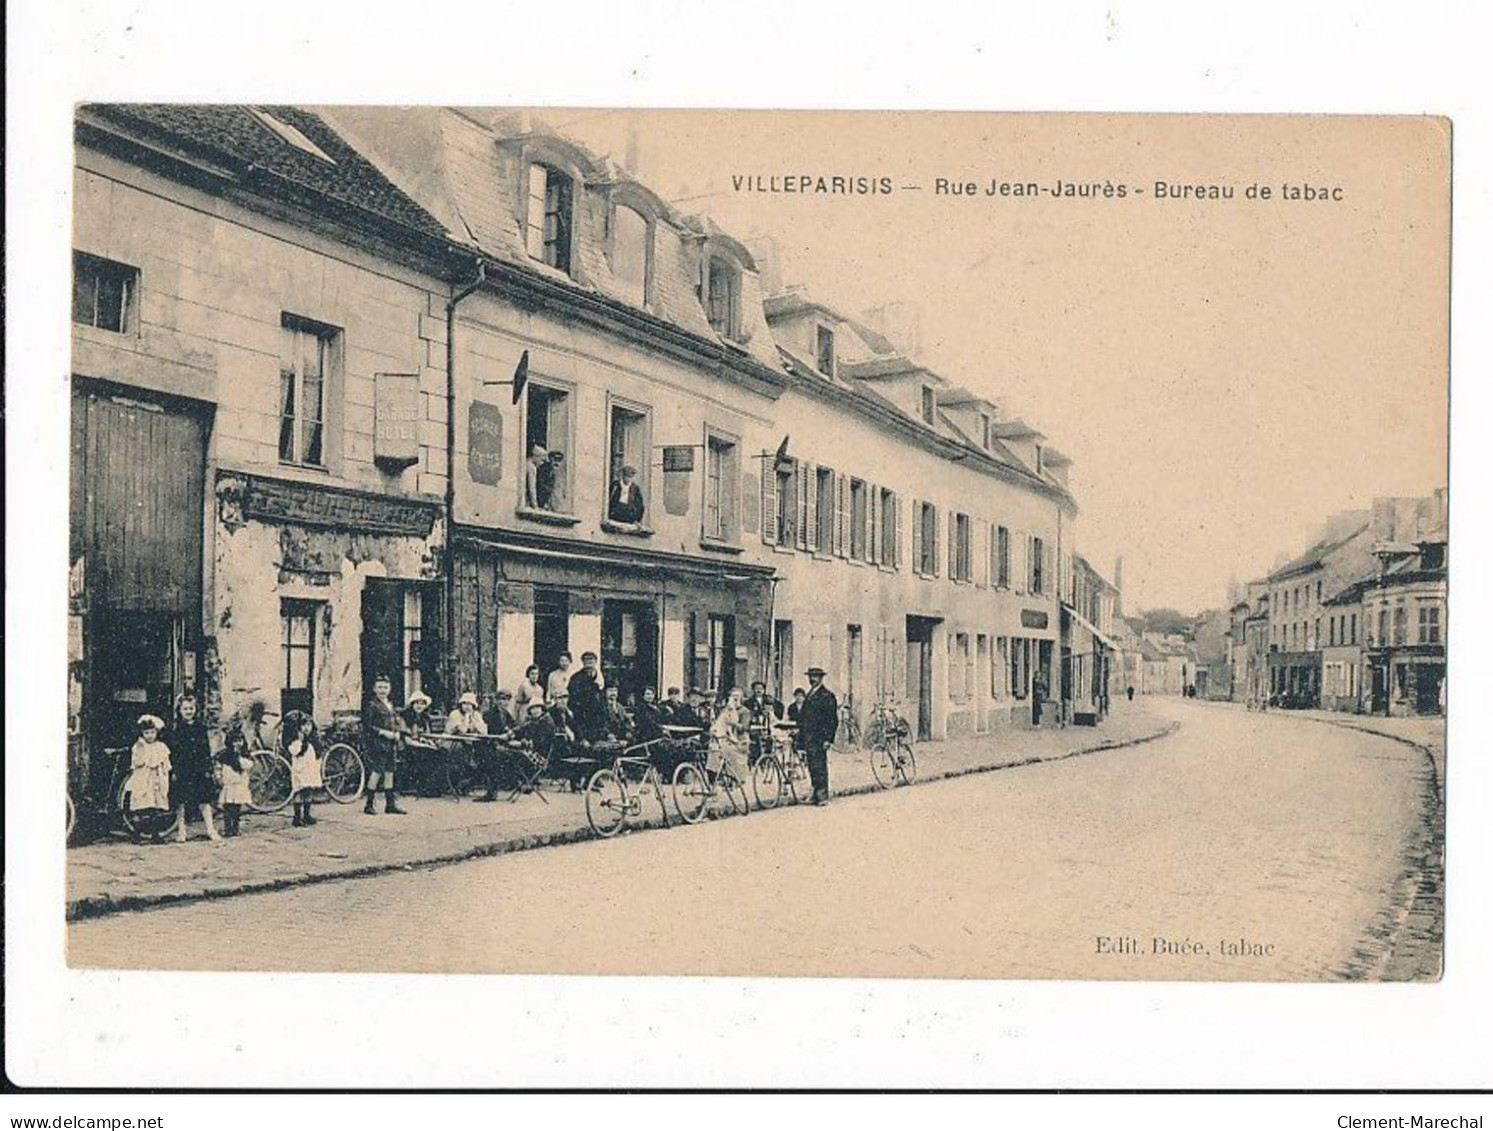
953, 547
917, 537
897, 530
811, 517
800, 505
731, 489
980, 562
874, 520
937, 528
769, 502
842, 515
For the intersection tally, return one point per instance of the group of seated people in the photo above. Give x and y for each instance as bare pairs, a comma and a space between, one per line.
576, 719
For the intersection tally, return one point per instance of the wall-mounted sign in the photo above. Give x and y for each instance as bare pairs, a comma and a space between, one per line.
679, 457
277, 500
1033, 618
485, 443
396, 420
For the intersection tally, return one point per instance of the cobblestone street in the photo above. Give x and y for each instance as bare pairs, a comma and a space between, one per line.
1244, 846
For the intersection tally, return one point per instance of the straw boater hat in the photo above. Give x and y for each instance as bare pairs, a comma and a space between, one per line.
815, 671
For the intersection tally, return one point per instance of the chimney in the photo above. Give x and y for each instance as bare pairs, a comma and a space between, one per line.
900, 323
764, 250
1119, 581
1382, 521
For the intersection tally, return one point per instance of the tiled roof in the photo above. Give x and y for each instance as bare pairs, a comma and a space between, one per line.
234, 136
1314, 556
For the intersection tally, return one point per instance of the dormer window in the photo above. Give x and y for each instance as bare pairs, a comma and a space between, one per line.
628, 247
1039, 458
825, 351
548, 219
985, 430
928, 404
723, 297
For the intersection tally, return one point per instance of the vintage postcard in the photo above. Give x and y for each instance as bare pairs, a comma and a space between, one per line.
758, 543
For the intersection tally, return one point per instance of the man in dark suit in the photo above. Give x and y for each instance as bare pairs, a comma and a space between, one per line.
818, 720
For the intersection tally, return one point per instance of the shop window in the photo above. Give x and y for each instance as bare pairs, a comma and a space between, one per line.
722, 483
298, 654
308, 353
628, 465
549, 216
547, 441
629, 245
825, 350
104, 293
723, 297
411, 636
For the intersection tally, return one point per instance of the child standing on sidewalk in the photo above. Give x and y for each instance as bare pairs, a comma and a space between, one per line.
305, 765
149, 783
234, 764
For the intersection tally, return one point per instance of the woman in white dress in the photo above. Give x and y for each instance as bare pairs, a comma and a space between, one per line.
730, 735
305, 765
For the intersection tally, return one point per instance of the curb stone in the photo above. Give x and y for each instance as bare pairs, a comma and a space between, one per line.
97, 906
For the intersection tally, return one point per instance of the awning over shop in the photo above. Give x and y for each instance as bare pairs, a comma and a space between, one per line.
1097, 635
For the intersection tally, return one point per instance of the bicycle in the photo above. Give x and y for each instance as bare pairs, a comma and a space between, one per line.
614, 796
343, 773
141, 824
780, 770
695, 787
849, 726
892, 759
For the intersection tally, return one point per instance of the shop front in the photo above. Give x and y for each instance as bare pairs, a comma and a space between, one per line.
317, 590
653, 620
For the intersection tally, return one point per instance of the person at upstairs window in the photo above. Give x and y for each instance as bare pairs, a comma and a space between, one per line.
558, 498
625, 504
531, 690
538, 479
194, 784
305, 765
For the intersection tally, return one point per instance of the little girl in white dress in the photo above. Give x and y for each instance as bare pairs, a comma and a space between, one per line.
305, 765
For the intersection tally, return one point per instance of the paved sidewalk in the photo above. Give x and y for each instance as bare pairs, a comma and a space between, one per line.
117, 875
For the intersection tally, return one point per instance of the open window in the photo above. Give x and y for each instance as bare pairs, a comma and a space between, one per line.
104, 293
308, 356
722, 486
547, 446
723, 297
627, 464
550, 215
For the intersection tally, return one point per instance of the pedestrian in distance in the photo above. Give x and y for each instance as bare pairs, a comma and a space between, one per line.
383, 731
305, 765
234, 764
1130, 692
194, 784
149, 784
818, 720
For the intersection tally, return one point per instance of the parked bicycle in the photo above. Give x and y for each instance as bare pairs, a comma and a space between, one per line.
699, 781
781, 769
614, 795
848, 733
892, 760
113, 802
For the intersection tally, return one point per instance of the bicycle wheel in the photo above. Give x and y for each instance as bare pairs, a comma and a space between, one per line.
458, 773
767, 781
144, 824
883, 766
735, 790
269, 782
691, 792
907, 765
342, 773
606, 803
